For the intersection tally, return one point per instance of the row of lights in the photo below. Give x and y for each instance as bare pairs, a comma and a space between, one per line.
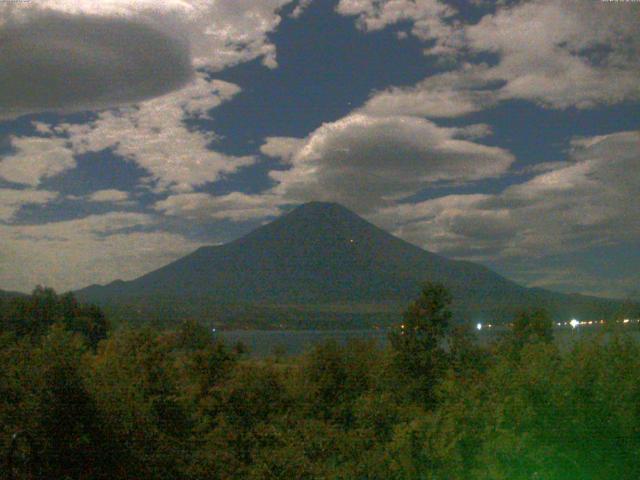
479, 326
573, 323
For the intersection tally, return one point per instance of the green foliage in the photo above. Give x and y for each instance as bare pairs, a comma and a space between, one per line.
417, 342
174, 404
533, 326
32, 316
45, 396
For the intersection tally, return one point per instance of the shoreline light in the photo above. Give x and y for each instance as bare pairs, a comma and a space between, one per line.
574, 323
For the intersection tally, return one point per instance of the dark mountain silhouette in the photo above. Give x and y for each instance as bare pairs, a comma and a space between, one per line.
323, 258
5, 294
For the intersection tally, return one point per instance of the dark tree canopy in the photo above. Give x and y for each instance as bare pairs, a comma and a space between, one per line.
175, 404
32, 315
533, 325
417, 340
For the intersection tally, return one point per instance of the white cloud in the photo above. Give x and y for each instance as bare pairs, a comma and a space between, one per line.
228, 32
235, 206
365, 162
154, 135
283, 148
588, 202
428, 18
300, 8
556, 54
219, 33
75, 253
116, 52
11, 201
36, 158
453, 225
450, 94
109, 196
563, 54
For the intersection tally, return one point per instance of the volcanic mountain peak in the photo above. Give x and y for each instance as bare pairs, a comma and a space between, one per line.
324, 254
315, 218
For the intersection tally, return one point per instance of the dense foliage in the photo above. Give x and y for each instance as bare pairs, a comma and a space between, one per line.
143, 404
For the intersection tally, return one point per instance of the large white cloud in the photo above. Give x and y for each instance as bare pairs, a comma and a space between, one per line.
368, 161
71, 55
556, 54
590, 201
75, 253
562, 54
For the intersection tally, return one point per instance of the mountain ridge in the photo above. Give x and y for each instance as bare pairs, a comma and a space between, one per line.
324, 254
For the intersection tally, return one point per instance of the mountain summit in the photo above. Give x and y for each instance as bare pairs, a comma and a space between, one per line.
325, 257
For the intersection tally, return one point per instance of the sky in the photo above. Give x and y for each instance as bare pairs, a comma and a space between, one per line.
505, 133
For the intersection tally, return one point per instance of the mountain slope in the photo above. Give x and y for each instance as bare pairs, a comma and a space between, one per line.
323, 254
6, 294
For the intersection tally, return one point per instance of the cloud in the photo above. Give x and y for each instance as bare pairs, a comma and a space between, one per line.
154, 135
429, 18
235, 206
451, 94
366, 162
75, 253
283, 148
35, 158
452, 225
227, 32
11, 200
76, 55
588, 202
300, 8
562, 54
109, 196
565, 274
555, 54
57, 62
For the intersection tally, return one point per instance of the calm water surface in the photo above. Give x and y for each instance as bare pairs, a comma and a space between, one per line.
262, 343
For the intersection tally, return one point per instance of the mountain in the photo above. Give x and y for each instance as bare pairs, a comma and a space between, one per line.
5, 294
323, 261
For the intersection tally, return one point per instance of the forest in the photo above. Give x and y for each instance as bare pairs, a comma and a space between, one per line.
80, 399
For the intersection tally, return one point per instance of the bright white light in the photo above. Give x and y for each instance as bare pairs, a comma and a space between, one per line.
574, 323
479, 326
626, 320
213, 330
559, 324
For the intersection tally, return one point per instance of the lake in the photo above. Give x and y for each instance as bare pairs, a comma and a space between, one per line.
262, 343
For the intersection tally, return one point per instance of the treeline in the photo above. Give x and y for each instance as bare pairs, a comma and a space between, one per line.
135, 403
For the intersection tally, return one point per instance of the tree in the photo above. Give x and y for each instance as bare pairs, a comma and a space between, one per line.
416, 342
532, 326
32, 316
